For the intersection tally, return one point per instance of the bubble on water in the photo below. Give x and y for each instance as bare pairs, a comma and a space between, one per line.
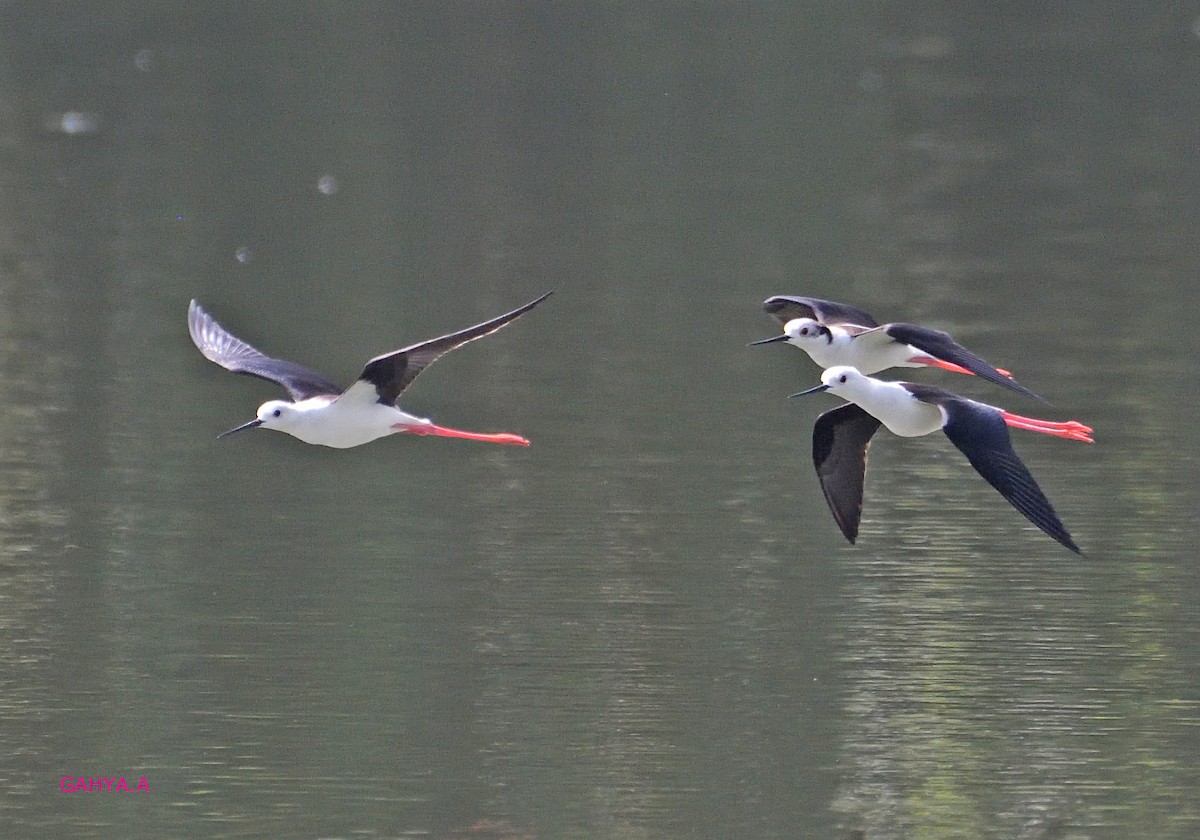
144, 60
328, 184
73, 122
244, 254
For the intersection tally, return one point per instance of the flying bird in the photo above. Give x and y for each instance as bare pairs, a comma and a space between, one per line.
835, 334
980, 431
319, 411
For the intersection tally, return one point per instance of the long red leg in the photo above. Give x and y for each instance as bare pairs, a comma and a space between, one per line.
929, 361
506, 438
1071, 429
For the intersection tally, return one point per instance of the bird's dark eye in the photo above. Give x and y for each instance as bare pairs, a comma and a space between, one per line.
277, 412
804, 331
842, 379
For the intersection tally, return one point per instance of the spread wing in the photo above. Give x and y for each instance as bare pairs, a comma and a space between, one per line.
230, 352
981, 434
392, 372
840, 441
941, 346
784, 308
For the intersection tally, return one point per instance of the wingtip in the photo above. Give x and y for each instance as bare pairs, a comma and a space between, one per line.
1013, 385
1008, 381
848, 528
195, 315
521, 310
196, 312
1033, 394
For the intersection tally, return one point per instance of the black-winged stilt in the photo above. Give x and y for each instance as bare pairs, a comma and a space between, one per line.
319, 411
841, 438
835, 334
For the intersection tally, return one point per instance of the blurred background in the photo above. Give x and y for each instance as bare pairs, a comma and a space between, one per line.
646, 625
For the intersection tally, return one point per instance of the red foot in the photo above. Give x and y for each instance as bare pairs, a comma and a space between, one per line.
506, 438
1071, 429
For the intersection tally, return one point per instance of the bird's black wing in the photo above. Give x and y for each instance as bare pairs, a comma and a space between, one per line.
981, 434
840, 441
784, 308
941, 346
392, 372
230, 352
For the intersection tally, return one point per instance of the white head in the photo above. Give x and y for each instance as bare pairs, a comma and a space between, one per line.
275, 414
843, 380
801, 331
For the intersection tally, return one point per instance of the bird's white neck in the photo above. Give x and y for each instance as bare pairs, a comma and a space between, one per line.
826, 349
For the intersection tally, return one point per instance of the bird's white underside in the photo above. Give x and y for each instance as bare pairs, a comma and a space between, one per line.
889, 402
352, 419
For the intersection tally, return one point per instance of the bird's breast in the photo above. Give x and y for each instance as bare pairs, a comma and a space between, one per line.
342, 426
902, 413
917, 419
